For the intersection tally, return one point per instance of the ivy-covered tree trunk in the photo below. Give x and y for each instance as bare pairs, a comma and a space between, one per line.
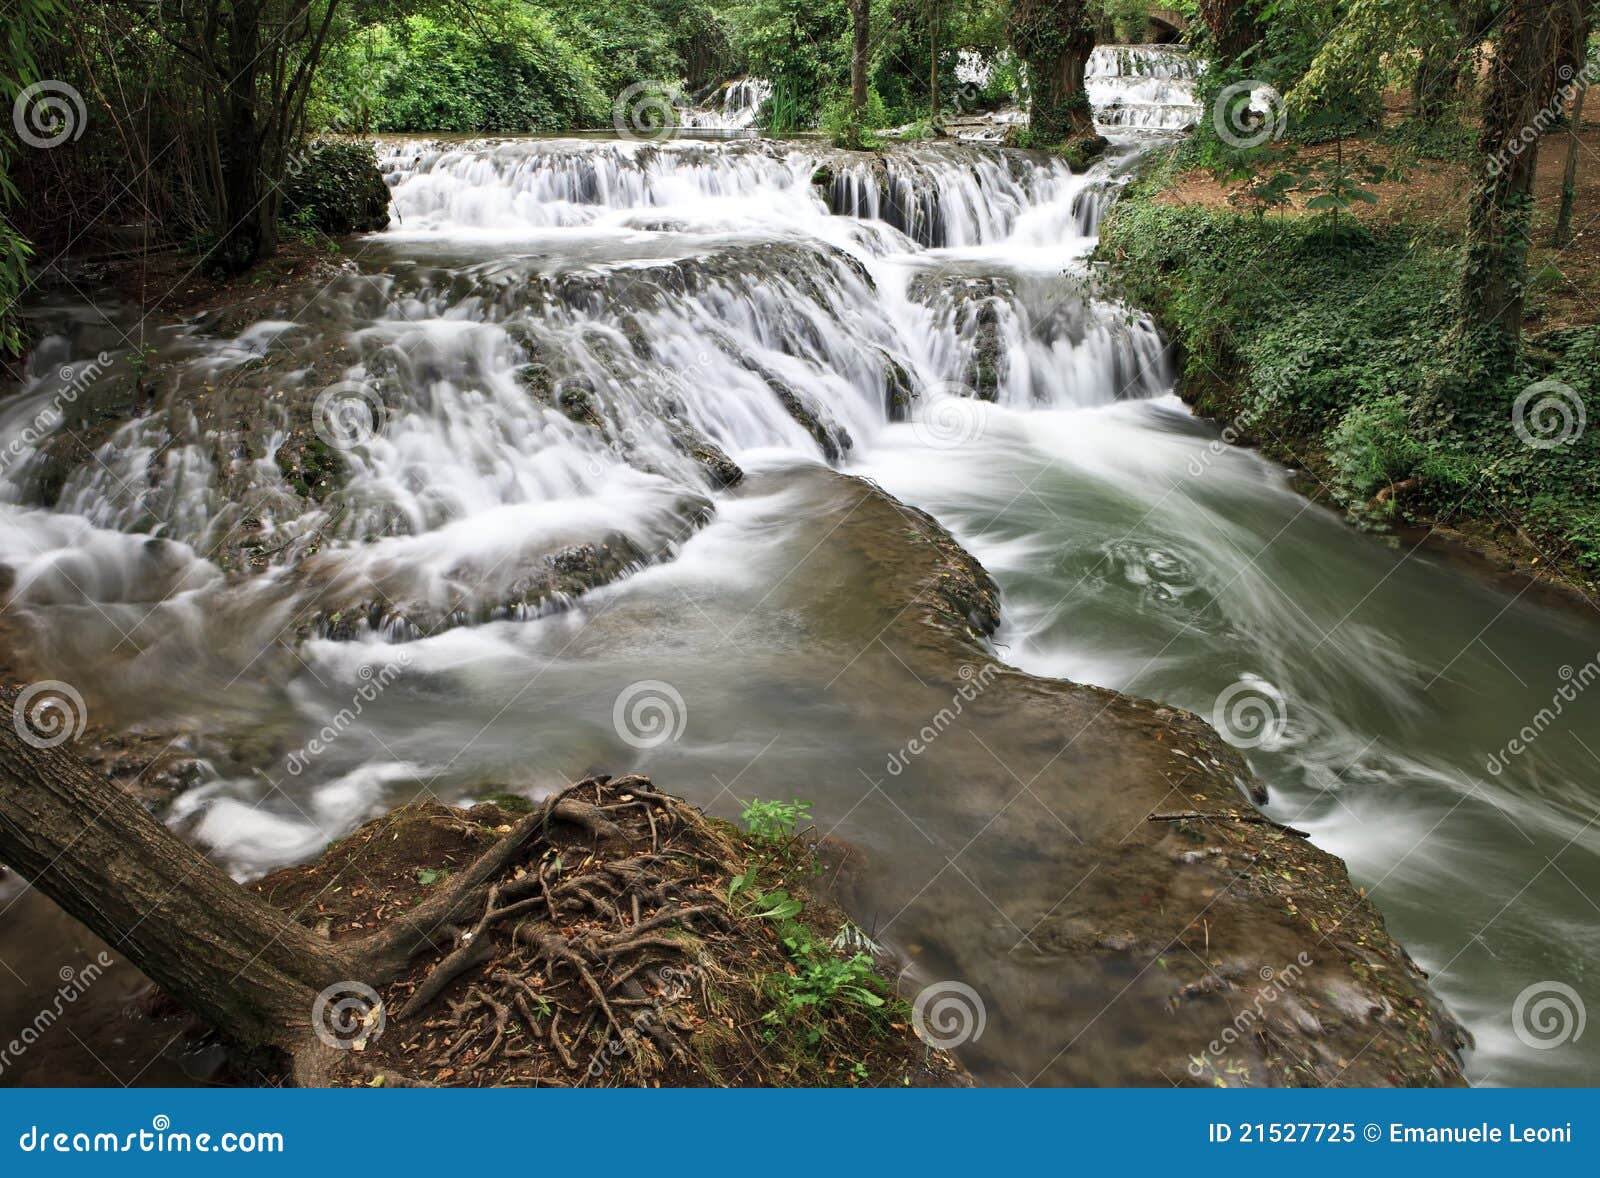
1574, 83
1054, 41
1514, 118
1232, 25
861, 24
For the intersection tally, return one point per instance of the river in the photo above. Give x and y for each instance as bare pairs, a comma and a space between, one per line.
532, 359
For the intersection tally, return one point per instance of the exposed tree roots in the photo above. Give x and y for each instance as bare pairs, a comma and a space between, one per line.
593, 943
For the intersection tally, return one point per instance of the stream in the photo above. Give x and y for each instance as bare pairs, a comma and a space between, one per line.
560, 343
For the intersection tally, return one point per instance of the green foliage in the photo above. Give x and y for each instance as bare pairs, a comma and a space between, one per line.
334, 187
801, 46
514, 72
773, 822
1326, 348
25, 23
840, 123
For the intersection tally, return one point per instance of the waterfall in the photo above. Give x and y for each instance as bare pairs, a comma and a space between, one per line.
575, 345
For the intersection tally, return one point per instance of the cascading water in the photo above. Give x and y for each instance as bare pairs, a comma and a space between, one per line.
575, 349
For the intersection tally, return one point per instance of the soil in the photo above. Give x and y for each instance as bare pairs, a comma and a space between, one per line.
626, 960
1435, 193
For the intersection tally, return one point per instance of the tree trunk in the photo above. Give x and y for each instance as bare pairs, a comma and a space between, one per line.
1514, 117
861, 18
933, 63
1233, 27
245, 967
1054, 41
1573, 83
248, 228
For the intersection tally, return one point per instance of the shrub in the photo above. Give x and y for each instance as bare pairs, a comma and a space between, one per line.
334, 185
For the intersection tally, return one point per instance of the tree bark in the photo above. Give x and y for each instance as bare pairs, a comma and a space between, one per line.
933, 63
1054, 41
861, 25
248, 213
1233, 28
243, 966
1515, 115
1572, 76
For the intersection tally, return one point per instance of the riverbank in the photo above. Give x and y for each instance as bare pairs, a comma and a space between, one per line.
1322, 343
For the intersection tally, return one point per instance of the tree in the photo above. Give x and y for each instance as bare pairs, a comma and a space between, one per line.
1444, 55
250, 970
1516, 112
860, 32
1054, 40
1233, 28
1574, 82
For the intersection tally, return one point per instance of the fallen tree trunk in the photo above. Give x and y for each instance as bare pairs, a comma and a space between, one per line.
245, 967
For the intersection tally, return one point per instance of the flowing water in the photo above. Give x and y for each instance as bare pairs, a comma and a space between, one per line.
563, 346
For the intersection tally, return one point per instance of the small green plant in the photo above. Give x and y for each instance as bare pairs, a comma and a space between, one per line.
773, 822
846, 127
